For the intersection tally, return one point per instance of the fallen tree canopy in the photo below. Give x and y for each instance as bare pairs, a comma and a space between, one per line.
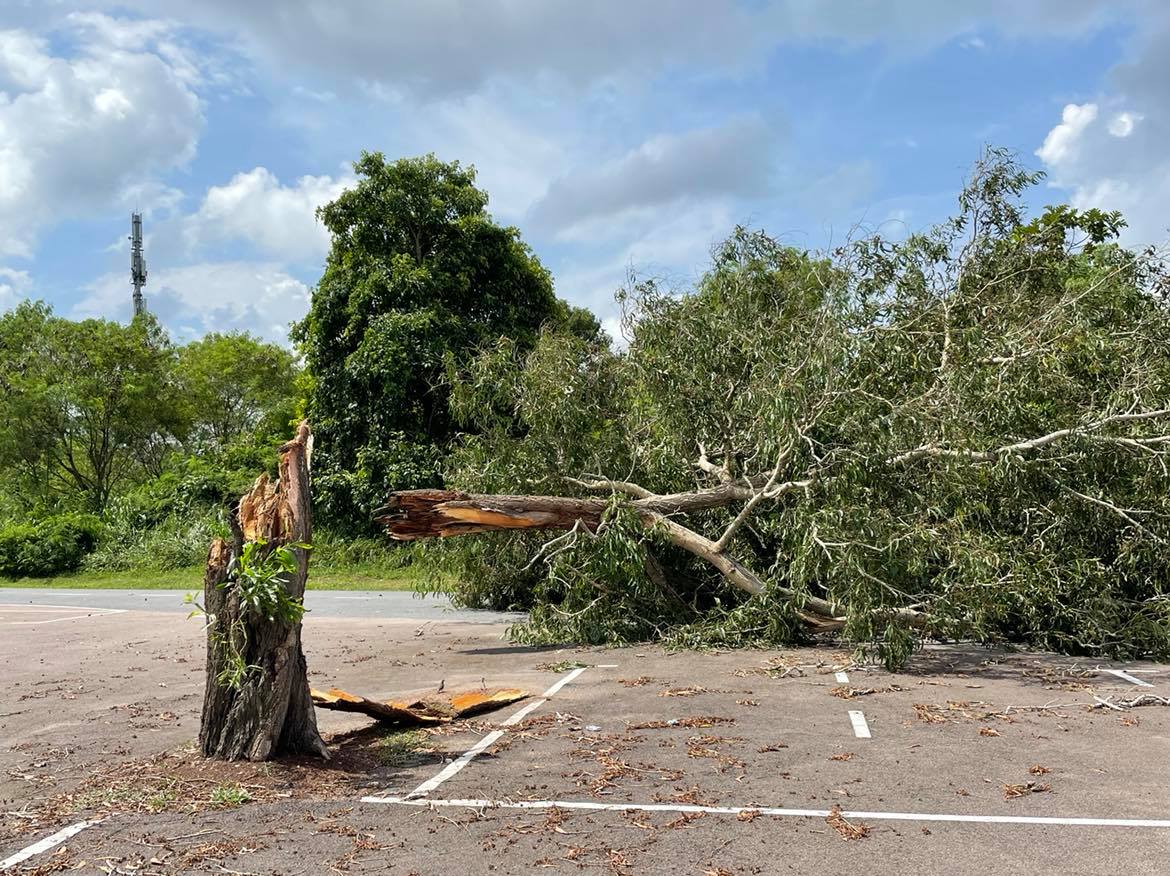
961, 434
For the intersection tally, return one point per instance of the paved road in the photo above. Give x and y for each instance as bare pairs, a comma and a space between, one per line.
321, 603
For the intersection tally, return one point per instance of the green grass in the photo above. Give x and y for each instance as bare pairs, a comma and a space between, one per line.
191, 578
399, 748
230, 796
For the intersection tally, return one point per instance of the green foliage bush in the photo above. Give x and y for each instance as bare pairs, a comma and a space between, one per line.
372, 555
47, 547
174, 542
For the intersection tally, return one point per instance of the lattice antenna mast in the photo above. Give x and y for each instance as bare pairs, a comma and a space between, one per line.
137, 263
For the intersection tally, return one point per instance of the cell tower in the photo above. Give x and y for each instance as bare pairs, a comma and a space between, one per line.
137, 263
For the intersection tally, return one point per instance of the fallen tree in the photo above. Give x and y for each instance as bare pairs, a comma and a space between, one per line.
414, 514
963, 434
257, 703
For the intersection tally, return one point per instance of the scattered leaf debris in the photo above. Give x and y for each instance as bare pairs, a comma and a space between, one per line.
848, 830
640, 681
1011, 792
689, 723
561, 666
847, 692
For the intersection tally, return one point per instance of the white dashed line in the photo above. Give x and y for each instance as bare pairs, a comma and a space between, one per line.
553, 690
46, 844
1120, 673
523, 713
860, 728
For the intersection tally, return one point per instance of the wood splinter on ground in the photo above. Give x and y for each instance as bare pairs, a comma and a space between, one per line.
427, 711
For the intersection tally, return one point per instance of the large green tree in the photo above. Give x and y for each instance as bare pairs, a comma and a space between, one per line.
88, 405
234, 384
419, 276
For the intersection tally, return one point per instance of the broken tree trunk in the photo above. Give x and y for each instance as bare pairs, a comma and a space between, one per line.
414, 514
256, 703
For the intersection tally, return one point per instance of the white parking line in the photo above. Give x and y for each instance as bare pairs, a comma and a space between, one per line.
30, 608
860, 728
35, 607
480, 747
553, 690
776, 811
452, 768
523, 713
47, 843
1121, 673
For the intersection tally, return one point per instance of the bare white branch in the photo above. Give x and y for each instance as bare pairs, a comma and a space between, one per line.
933, 450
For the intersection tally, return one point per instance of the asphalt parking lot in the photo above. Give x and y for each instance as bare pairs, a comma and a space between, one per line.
628, 760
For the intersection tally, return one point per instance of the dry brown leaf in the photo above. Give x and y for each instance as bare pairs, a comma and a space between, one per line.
682, 692
1011, 792
847, 829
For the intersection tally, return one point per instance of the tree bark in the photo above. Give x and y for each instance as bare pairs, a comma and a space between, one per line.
269, 711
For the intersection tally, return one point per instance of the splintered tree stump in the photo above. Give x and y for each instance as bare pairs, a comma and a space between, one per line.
268, 710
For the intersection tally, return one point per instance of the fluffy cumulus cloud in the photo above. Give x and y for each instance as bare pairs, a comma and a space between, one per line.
279, 220
259, 297
1110, 152
76, 131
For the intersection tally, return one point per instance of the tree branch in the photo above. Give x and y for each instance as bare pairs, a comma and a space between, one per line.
604, 485
933, 450
1120, 512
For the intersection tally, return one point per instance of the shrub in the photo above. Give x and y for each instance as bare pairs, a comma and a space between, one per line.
49, 546
176, 542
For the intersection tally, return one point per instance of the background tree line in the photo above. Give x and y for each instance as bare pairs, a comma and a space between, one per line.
111, 430
120, 448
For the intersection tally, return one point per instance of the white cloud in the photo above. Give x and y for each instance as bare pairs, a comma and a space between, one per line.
445, 47
14, 286
1111, 153
516, 150
733, 159
75, 132
260, 297
673, 248
1064, 139
279, 220
1122, 124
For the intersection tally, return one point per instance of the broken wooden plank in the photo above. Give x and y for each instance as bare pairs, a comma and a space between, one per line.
435, 709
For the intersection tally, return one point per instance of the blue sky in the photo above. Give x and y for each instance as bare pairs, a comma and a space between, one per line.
616, 136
